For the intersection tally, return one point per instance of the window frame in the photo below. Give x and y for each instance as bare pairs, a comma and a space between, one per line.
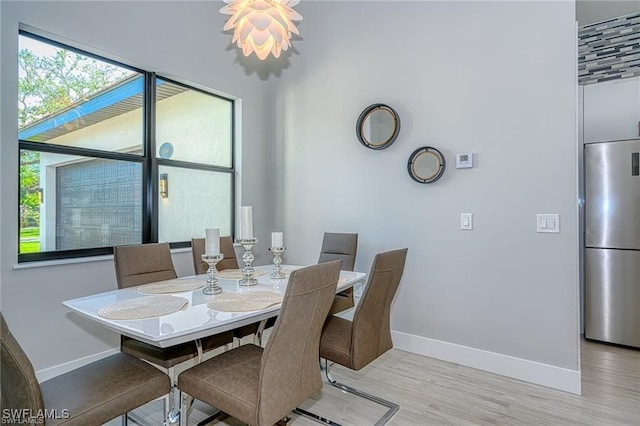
150, 162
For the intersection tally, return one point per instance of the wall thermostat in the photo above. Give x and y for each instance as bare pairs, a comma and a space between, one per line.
464, 161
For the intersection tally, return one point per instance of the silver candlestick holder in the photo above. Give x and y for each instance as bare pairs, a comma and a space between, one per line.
277, 273
247, 258
212, 286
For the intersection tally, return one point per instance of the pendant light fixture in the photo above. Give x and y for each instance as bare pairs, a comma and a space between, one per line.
261, 26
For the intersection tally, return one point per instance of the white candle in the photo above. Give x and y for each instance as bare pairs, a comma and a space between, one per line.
246, 222
212, 241
276, 240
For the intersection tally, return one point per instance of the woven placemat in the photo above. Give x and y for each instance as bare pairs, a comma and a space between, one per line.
236, 274
240, 302
172, 286
143, 307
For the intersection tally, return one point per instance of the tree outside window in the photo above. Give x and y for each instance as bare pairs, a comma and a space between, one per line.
89, 166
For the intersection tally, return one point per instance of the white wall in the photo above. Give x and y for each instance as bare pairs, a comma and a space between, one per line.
181, 40
494, 78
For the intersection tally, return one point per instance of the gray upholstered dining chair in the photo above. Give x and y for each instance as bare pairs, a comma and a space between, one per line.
355, 344
343, 247
90, 395
143, 263
226, 248
146, 263
260, 386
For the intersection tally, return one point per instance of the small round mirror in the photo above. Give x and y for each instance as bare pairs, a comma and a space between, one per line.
378, 126
426, 165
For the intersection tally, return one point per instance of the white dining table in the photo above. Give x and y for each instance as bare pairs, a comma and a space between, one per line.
196, 320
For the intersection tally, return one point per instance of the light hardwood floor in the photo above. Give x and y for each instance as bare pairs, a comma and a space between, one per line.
433, 392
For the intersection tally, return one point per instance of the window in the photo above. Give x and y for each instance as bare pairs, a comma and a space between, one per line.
112, 155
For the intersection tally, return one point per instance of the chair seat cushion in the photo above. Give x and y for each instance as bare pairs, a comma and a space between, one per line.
103, 390
342, 301
335, 343
173, 355
228, 381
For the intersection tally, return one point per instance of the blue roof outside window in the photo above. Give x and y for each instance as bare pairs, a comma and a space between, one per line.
101, 101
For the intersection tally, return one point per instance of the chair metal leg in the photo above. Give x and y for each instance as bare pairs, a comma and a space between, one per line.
392, 407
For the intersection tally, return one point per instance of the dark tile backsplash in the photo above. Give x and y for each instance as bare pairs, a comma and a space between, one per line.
609, 50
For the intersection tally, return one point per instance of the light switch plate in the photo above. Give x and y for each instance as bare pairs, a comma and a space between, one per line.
548, 222
466, 221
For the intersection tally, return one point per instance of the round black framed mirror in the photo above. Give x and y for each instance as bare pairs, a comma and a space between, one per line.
426, 164
378, 126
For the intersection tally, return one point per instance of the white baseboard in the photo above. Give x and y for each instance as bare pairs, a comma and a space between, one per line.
505, 365
56, 370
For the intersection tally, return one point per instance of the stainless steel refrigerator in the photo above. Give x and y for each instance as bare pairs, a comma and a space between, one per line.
612, 242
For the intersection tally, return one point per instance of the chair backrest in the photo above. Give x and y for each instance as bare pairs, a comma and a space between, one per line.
226, 247
289, 372
371, 330
337, 246
20, 389
143, 263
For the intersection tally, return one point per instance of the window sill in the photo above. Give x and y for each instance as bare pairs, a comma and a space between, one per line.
57, 262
